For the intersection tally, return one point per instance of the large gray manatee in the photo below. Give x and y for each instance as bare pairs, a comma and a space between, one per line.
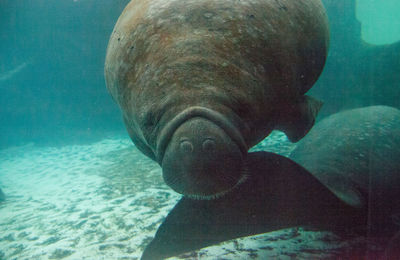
199, 82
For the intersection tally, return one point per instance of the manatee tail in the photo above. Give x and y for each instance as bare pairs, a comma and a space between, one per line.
246, 210
297, 119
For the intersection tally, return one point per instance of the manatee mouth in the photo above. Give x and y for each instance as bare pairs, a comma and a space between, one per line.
201, 153
220, 194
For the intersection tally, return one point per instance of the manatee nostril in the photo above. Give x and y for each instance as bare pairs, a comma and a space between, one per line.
201, 159
186, 146
209, 145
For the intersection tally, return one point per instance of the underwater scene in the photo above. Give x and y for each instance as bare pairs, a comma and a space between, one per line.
199, 129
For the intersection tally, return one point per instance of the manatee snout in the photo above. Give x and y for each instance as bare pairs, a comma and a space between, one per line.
201, 160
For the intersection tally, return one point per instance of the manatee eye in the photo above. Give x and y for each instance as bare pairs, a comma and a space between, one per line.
186, 146
209, 145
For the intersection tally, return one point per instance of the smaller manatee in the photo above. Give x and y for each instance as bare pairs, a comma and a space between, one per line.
357, 152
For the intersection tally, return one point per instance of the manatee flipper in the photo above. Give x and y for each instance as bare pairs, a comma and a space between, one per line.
341, 186
299, 117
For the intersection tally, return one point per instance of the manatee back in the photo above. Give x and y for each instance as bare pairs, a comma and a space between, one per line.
284, 43
355, 143
247, 56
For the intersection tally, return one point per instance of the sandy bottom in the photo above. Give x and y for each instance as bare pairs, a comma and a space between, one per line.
98, 201
102, 201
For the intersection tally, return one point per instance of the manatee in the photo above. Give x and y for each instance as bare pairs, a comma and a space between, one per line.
355, 153
344, 176
199, 82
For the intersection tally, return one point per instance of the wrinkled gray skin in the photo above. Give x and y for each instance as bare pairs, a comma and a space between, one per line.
199, 82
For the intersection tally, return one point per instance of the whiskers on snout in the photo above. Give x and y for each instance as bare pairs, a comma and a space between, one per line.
243, 178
